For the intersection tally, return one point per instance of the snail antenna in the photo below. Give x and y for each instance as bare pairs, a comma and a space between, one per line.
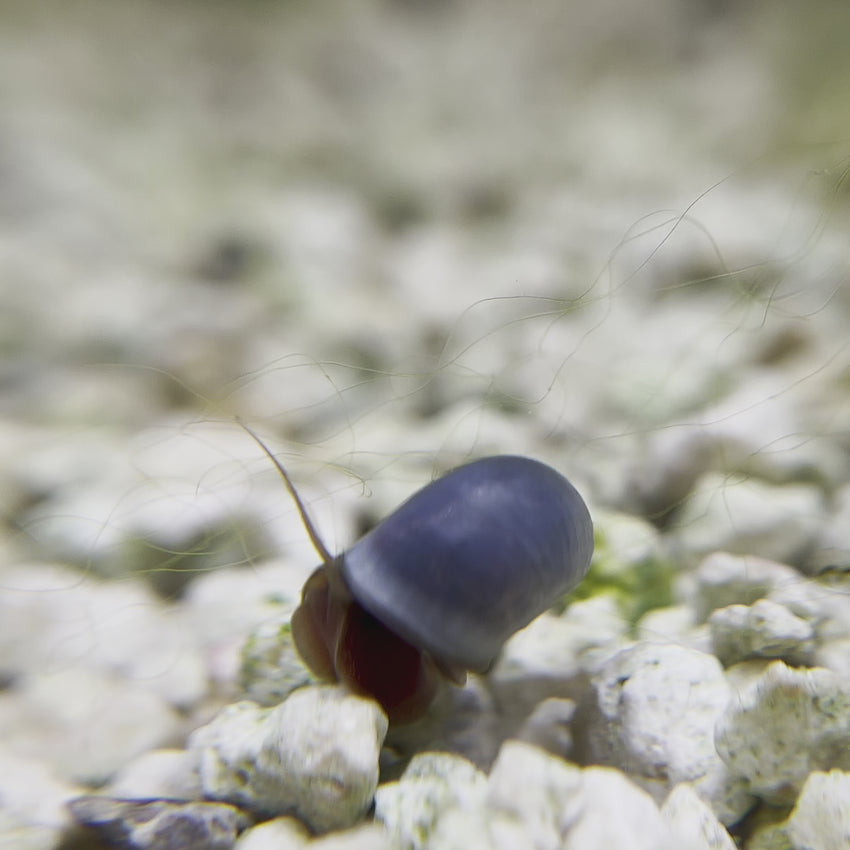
318, 545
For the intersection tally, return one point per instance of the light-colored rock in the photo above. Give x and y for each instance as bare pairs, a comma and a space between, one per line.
834, 655
165, 774
833, 548
764, 629
460, 829
548, 727
729, 436
559, 647
745, 674
598, 630
85, 723
270, 668
431, 784
784, 725
821, 816
663, 473
465, 721
154, 507
626, 540
160, 824
692, 821
24, 836
315, 756
52, 616
818, 821
223, 606
537, 797
616, 813
283, 833
552, 655
746, 515
538, 801
367, 836
541, 648
32, 796
824, 602
654, 711
724, 578
674, 624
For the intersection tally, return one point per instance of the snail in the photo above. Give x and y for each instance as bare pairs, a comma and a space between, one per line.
437, 587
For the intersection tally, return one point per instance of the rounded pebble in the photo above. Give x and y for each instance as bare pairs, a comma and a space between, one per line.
315, 756
784, 725
764, 629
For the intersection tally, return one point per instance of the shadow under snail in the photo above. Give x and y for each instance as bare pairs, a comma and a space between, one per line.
440, 584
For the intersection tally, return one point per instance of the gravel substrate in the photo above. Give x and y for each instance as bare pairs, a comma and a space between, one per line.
393, 237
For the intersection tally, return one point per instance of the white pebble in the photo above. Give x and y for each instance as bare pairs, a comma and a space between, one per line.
748, 515
616, 813
367, 836
693, 822
538, 796
725, 579
167, 774
654, 714
315, 756
283, 833
764, 629
783, 726
431, 784
31, 794
86, 723
821, 817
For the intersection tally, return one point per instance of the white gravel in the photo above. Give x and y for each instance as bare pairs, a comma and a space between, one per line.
392, 237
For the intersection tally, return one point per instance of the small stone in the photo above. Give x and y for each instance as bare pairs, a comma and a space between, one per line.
284, 833
51, 615
834, 655
674, 624
84, 722
693, 822
462, 829
166, 774
663, 473
537, 797
367, 836
315, 756
548, 727
824, 602
725, 579
431, 784
748, 515
552, 655
834, 543
764, 629
270, 668
654, 714
159, 824
598, 630
783, 726
821, 817
24, 836
625, 540
616, 813
31, 794
463, 721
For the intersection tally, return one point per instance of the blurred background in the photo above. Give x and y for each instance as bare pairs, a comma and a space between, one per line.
394, 234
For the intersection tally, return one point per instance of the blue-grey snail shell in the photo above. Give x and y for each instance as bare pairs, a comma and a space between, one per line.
473, 557
440, 584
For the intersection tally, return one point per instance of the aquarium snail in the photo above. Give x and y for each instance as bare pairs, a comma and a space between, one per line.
440, 584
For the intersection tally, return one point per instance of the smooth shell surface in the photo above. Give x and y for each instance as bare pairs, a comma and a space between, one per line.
473, 557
